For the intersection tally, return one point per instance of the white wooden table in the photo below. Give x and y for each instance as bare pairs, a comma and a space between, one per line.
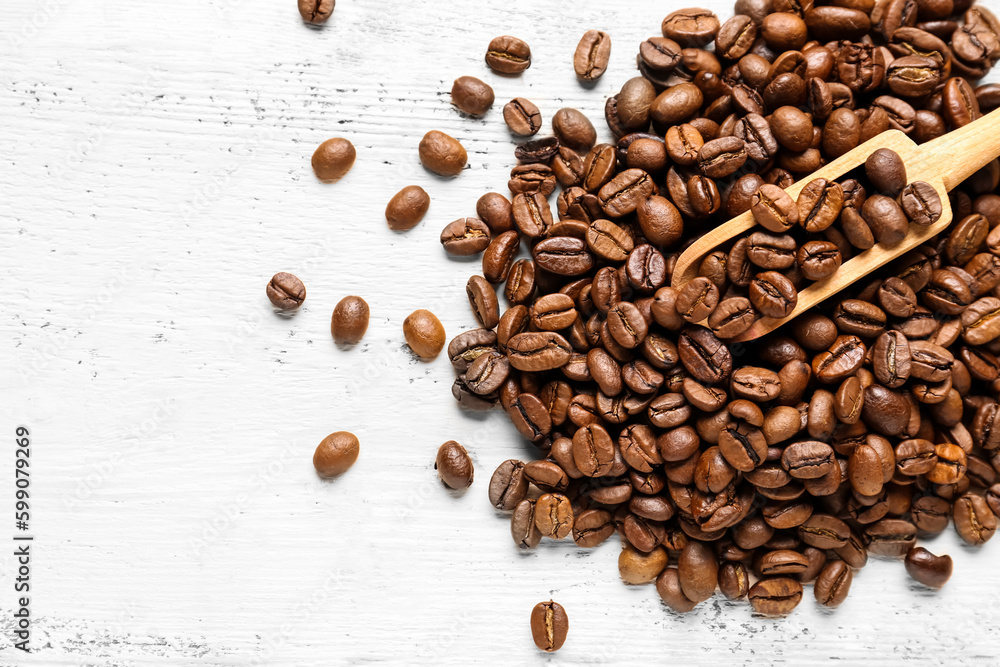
155, 174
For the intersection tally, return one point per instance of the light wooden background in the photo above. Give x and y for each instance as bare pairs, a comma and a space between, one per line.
155, 173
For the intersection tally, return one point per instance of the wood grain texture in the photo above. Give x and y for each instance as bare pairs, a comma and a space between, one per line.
155, 175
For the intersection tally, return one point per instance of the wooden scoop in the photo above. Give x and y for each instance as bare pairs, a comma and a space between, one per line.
943, 163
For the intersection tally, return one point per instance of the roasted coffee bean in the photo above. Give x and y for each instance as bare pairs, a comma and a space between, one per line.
471, 95
774, 209
333, 159
285, 291
660, 221
522, 117
886, 171
722, 157
818, 260
349, 321
530, 417
563, 255
668, 586
703, 355
609, 241
921, 203
735, 37
538, 351
808, 460
860, 318
574, 129
522, 525
627, 324
483, 300
532, 178
508, 55
691, 27
890, 538
891, 359
928, 569
775, 596
442, 154
336, 453
424, 333
974, 521
593, 450
487, 373
407, 208
833, 584
466, 346
549, 626
698, 571
697, 299
592, 53
316, 12
772, 294
454, 466
465, 236
732, 317
623, 194
537, 150
771, 251
637, 567
819, 204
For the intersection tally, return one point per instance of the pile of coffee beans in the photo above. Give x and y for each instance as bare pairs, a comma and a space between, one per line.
754, 468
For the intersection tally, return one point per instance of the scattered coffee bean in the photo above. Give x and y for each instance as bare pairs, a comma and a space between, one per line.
549, 626
285, 291
317, 12
407, 208
454, 466
336, 453
333, 159
424, 333
442, 154
508, 55
471, 95
349, 321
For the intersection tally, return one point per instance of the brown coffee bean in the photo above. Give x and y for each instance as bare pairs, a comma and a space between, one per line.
454, 466
442, 154
772, 294
928, 569
424, 333
593, 450
574, 129
808, 460
549, 626
316, 12
818, 260
891, 538
833, 584
563, 255
609, 241
592, 54
819, 204
974, 521
336, 453
774, 209
508, 55
471, 95
703, 355
333, 159
522, 117
349, 321
625, 192
285, 291
508, 486
776, 596
891, 359
465, 236
407, 208
921, 203
860, 318
522, 525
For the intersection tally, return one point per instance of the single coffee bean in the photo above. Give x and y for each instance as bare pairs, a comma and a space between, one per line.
466, 346
775, 596
808, 460
532, 178
592, 527
554, 515
734, 580
574, 129
668, 586
538, 351
691, 27
756, 384
886, 171
349, 321
471, 95
819, 203
563, 255
495, 210
285, 291
974, 521
771, 251
487, 373
860, 318
316, 12
774, 209
454, 466
593, 450
522, 525
660, 221
483, 300
623, 194
772, 294
522, 117
891, 538
508, 55
731, 317
407, 208
553, 312
637, 567
722, 157
698, 571
532, 215
442, 154
609, 241
891, 359
498, 259
508, 486
928, 569
465, 236
697, 299
336, 453
537, 150
818, 260
824, 531
886, 219
703, 355
549, 626
592, 54
333, 159
424, 333
921, 203
833, 584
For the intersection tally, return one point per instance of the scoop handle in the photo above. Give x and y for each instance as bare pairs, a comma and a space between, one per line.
959, 154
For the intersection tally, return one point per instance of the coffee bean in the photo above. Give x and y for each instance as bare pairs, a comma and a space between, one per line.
775, 596
774, 209
522, 525
592, 527
285, 291
886, 171
808, 460
609, 241
771, 251
833, 584
316, 12
819, 203
824, 531
563, 255
454, 466
731, 317
625, 192
574, 129
691, 27
818, 260
336, 453
333, 159
722, 157
538, 351
928, 569
483, 300
532, 215
442, 154
554, 516
407, 208
593, 450
703, 355
424, 333
522, 117
698, 571
891, 538
860, 318
549, 626
772, 294
974, 521
697, 300
471, 95
592, 54
508, 486
466, 346
349, 321
532, 178
886, 219
465, 236
508, 55
668, 586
